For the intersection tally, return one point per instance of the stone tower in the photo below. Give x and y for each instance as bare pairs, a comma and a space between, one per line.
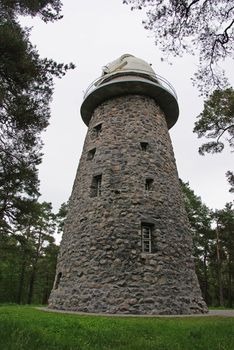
126, 246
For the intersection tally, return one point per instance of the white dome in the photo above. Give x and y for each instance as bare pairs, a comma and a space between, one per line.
128, 62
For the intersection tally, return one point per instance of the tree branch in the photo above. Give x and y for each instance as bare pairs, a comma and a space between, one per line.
190, 5
228, 127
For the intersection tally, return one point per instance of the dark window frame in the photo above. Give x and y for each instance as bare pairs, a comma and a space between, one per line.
146, 237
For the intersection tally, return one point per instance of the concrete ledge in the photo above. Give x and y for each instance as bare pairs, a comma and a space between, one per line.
133, 86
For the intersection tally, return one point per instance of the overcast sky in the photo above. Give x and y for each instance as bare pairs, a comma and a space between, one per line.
91, 34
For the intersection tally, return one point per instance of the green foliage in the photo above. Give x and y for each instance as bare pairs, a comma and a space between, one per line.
217, 121
200, 219
197, 27
198, 213
230, 177
28, 257
26, 328
213, 239
225, 251
26, 87
61, 216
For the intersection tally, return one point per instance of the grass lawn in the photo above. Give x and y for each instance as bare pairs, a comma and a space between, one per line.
26, 328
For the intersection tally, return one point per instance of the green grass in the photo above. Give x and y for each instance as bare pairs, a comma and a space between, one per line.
26, 328
220, 308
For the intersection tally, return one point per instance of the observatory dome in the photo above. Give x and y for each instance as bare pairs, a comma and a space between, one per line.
129, 75
128, 63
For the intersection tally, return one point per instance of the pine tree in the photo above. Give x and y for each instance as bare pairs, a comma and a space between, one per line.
26, 87
202, 28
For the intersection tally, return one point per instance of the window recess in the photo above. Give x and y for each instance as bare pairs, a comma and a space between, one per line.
144, 146
148, 184
97, 129
58, 278
96, 186
91, 154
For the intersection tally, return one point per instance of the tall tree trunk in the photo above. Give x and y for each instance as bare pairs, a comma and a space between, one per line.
229, 282
33, 274
206, 294
219, 266
21, 280
31, 283
45, 296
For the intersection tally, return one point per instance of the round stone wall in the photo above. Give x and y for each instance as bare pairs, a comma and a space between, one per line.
126, 246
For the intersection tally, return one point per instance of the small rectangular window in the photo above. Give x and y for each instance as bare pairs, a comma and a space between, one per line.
91, 154
146, 237
97, 129
96, 187
148, 184
144, 146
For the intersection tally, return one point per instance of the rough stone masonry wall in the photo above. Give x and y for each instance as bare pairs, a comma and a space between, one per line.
101, 264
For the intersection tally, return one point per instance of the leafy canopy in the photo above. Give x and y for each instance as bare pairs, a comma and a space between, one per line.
26, 88
216, 122
48, 10
213, 240
200, 27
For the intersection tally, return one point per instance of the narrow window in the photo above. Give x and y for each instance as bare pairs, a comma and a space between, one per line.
146, 236
144, 146
148, 184
96, 187
97, 129
91, 154
59, 275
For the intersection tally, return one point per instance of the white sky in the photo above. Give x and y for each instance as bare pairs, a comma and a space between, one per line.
91, 34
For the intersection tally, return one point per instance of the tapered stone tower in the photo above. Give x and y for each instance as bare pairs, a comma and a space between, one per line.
126, 246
